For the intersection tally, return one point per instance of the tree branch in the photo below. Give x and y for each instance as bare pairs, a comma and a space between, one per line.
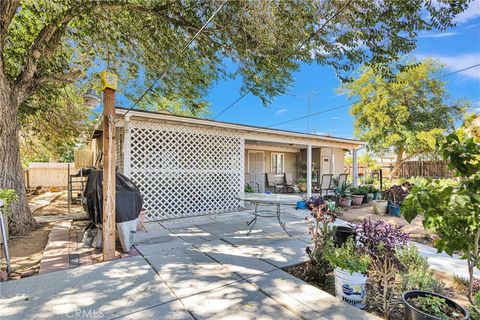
56, 78
7, 12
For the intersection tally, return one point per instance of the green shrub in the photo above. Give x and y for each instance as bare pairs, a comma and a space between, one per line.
7, 196
348, 257
416, 274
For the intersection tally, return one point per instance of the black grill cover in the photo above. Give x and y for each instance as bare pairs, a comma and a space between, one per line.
128, 198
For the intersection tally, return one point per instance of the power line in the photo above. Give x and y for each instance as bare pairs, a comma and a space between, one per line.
287, 57
181, 53
356, 101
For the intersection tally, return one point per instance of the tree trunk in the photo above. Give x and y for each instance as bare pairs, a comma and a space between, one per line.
11, 171
398, 163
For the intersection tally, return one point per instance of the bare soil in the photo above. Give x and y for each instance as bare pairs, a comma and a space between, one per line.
26, 251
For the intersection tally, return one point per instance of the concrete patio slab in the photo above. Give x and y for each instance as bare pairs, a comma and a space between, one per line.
304, 299
171, 311
188, 271
237, 259
239, 301
110, 289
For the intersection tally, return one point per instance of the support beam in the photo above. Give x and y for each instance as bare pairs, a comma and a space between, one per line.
108, 217
309, 171
355, 167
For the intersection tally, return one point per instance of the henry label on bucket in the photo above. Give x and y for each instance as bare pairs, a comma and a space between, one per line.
354, 294
350, 288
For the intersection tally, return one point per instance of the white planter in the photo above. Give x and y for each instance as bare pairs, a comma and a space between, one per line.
350, 288
380, 206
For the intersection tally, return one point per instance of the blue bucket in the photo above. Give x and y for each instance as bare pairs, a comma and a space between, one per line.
301, 205
393, 210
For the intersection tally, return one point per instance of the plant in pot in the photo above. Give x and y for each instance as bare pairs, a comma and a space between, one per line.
357, 196
395, 196
431, 306
350, 272
302, 184
343, 193
371, 193
382, 241
322, 238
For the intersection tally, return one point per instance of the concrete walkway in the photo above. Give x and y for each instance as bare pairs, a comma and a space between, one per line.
193, 268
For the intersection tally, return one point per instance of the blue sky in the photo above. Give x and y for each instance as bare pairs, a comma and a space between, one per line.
457, 47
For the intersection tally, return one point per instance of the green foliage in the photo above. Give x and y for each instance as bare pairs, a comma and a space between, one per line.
416, 274
8, 196
434, 306
248, 189
453, 213
348, 257
406, 113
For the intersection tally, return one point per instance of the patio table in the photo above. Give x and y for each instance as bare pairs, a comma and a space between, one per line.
276, 200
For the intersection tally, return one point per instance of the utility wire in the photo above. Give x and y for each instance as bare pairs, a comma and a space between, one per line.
356, 101
320, 29
179, 55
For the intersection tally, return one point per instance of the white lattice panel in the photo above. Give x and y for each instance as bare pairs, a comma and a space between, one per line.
185, 170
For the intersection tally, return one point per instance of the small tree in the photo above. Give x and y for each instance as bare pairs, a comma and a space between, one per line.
405, 111
453, 213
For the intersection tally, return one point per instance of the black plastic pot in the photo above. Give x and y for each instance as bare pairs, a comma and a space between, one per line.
411, 313
342, 233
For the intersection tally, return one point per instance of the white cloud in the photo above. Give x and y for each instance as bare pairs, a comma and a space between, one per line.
335, 118
472, 12
281, 111
477, 111
438, 35
454, 63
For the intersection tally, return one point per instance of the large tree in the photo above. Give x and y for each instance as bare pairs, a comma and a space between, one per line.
404, 111
45, 42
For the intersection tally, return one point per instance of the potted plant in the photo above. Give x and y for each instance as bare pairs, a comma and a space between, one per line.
395, 196
371, 193
380, 206
357, 196
350, 272
343, 192
302, 184
431, 306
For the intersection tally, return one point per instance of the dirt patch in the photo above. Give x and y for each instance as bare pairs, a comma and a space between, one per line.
453, 291
59, 207
26, 251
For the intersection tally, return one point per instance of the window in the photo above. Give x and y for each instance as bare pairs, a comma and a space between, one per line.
278, 163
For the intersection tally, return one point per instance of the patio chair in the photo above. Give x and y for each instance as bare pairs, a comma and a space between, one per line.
290, 185
326, 184
342, 179
274, 183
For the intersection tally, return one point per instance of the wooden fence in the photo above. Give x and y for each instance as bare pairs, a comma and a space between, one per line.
48, 174
414, 168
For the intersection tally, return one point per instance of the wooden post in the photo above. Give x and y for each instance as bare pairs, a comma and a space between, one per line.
108, 218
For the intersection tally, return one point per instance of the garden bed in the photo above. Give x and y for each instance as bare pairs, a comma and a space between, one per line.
452, 290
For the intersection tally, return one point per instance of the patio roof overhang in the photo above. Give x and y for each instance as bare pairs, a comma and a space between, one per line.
287, 138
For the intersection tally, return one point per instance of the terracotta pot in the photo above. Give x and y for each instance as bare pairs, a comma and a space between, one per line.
302, 187
345, 202
357, 200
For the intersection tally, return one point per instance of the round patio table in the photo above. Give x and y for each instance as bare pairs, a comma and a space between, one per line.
276, 200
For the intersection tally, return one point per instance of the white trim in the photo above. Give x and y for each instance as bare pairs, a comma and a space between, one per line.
251, 131
309, 171
283, 163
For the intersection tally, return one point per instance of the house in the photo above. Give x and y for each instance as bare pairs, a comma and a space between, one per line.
189, 166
